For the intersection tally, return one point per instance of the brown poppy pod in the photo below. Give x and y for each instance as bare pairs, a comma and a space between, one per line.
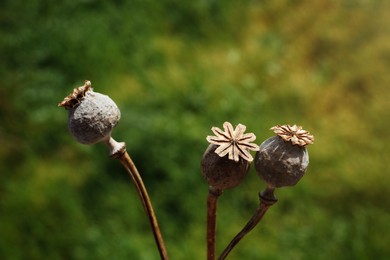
280, 163
222, 173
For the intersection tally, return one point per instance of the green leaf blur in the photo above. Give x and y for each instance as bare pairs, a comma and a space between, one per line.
176, 69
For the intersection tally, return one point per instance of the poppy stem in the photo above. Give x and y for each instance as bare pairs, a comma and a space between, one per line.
211, 221
118, 151
267, 199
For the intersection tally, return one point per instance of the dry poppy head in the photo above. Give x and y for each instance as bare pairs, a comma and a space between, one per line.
91, 115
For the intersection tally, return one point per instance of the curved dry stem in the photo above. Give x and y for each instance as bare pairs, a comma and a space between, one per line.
211, 221
267, 199
129, 165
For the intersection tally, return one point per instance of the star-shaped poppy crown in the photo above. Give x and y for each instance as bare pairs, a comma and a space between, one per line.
295, 134
233, 142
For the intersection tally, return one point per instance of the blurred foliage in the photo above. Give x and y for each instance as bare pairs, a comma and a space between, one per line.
175, 69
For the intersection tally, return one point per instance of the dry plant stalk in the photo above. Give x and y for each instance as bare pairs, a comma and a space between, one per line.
131, 169
267, 199
212, 222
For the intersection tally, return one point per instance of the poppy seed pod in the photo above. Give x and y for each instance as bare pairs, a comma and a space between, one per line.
92, 115
220, 172
283, 159
281, 163
226, 161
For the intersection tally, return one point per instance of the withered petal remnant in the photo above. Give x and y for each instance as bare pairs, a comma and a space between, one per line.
294, 134
75, 97
233, 142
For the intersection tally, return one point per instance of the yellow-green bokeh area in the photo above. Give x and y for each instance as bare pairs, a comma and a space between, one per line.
176, 69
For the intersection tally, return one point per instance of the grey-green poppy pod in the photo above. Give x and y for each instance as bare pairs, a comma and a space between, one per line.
92, 115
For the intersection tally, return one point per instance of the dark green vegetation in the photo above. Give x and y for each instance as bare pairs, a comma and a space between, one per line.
175, 69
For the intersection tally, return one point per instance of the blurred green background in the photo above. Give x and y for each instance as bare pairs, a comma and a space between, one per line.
176, 69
